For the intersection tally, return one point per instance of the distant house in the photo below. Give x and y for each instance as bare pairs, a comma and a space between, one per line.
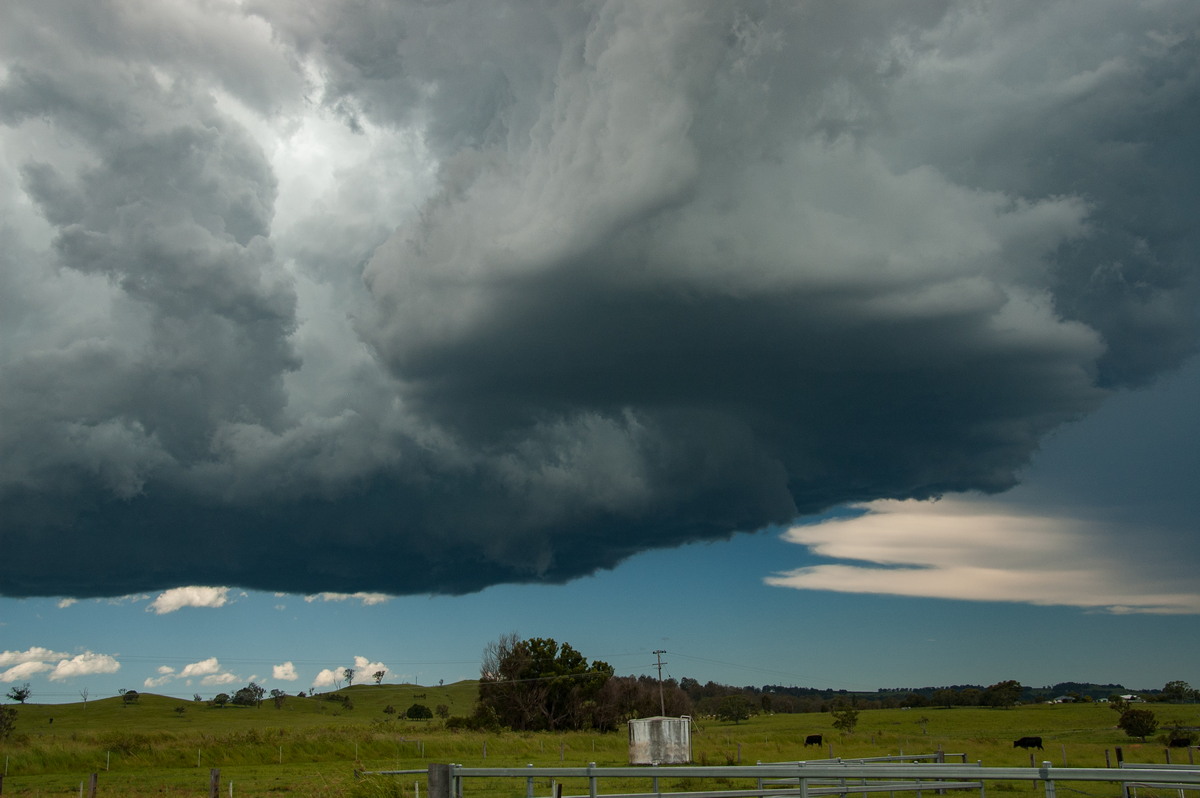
1064, 699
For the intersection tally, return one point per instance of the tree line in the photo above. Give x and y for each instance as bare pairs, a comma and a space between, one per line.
538, 684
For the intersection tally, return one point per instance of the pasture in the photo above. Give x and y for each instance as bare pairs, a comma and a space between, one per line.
312, 746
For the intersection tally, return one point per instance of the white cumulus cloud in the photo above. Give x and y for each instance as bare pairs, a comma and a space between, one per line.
193, 596
33, 654
204, 667
23, 671
219, 679
84, 664
367, 599
327, 677
285, 672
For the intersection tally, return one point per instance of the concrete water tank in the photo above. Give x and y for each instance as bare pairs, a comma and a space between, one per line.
665, 741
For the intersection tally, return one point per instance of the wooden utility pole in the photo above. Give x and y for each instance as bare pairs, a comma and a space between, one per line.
662, 705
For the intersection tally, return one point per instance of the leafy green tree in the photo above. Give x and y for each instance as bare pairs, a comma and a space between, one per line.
130, 697
8, 721
736, 707
442, 711
945, 697
1117, 704
418, 712
538, 685
1177, 691
220, 700
278, 698
844, 719
249, 696
349, 674
1003, 694
378, 676
1138, 723
20, 694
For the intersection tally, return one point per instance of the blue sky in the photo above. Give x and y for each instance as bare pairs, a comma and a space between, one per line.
363, 336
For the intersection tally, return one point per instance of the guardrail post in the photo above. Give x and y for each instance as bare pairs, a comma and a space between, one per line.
438, 782
529, 784
1050, 792
591, 780
657, 791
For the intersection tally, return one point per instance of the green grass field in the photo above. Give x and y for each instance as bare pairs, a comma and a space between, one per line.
312, 746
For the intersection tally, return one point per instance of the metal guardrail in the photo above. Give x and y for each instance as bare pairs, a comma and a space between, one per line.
446, 781
1130, 788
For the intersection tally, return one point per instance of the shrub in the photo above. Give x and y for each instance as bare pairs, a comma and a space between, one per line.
418, 712
1138, 723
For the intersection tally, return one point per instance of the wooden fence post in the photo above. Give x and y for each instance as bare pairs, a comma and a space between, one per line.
214, 783
438, 784
92, 784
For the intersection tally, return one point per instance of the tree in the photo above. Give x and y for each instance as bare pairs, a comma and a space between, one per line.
20, 694
1117, 703
249, 696
418, 712
734, 707
1177, 691
279, 698
1138, 723
442, 711
220, 700
538, 685
180, 709
845, 719
1003, 694
8, 721
349, 674
378, 676
129, 697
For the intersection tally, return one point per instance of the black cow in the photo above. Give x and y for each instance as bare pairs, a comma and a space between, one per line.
812, 739
1029, 742
1179, 742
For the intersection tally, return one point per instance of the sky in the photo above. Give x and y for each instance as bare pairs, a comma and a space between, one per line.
837, 345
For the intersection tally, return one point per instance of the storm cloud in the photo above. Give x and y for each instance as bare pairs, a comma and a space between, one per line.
402, 298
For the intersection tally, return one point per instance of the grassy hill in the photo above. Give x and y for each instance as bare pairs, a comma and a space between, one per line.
311, 746
155, 713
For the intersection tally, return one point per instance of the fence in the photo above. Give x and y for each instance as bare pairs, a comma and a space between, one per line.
810, 780
1130, 788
